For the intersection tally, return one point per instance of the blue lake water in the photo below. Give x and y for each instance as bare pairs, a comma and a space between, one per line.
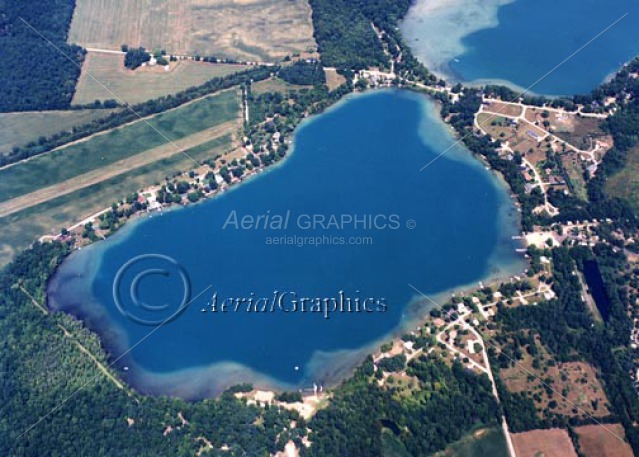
448, 226
519, 41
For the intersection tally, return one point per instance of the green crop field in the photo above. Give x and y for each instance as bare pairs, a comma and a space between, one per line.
99, 151
23, 228
102, 71
18, 129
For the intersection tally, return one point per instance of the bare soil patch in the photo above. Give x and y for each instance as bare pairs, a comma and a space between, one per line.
503, 109
241, 29
600, 441
554, 442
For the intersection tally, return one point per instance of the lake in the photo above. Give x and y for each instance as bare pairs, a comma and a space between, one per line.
517, 42
597, 288
347, 222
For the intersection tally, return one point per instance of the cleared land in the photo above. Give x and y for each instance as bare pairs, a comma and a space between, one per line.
142, 84
505, 109
520, 136
114, 169
103, 150
60, 188
625, 184
22, 228
578, 390
275, 84
241, 29
554, 442
598, 441
579, 131
483, 442
18, 129
333, 79
574, 169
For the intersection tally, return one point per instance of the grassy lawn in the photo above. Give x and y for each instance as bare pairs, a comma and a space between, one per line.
583, 131
275, 85
482, 442
22, 228
573, 167
625, 184
82, 157
144, 83
17, 129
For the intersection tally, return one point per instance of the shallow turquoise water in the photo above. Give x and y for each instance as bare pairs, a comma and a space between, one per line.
360, 159
521, 41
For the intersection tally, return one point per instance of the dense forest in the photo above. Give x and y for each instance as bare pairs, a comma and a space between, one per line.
39, 69
345, 34
423, 421
303, 73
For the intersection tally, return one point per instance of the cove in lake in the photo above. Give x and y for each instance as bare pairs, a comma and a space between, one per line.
516, 42
359, 158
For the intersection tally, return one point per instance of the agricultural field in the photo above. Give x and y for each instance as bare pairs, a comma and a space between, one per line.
554, 442
101, 70
603, 441
24, 227
100, 174
625, 184
121, 143
55, 190
263, 30
18, 129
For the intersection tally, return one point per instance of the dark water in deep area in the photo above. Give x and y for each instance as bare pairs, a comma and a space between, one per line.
597, 287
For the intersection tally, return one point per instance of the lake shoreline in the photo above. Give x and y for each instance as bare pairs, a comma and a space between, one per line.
465, 42
196, 383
